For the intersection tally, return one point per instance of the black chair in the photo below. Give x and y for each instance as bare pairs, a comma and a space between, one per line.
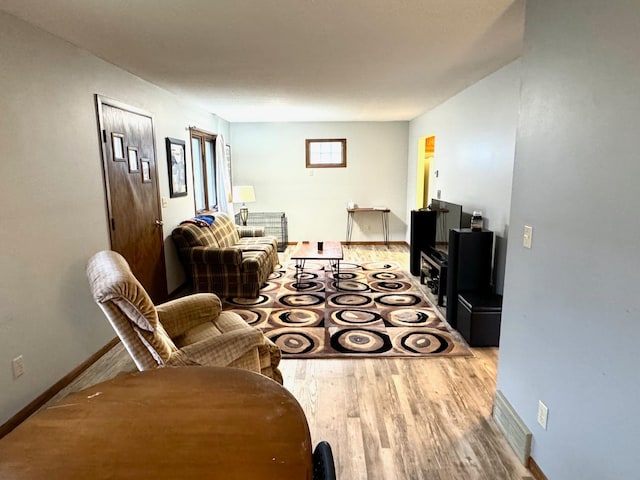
323, 466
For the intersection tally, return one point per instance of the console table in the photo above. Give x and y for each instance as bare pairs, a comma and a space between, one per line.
168, 423
384, 213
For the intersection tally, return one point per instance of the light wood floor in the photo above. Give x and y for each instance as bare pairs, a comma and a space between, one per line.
417, 418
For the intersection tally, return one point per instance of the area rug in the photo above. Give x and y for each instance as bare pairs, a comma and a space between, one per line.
370, 309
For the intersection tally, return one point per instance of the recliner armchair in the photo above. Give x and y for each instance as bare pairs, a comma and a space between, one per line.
192, 330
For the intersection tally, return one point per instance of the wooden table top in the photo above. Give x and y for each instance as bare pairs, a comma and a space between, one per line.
331, 250
187, 423
368, 209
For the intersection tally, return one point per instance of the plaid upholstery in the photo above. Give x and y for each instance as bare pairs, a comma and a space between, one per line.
224, 258
224, 230
188, 331
251, 231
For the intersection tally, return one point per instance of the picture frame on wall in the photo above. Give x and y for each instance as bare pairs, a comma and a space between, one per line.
177, 167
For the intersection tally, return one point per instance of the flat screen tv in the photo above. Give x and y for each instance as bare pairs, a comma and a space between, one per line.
449, 215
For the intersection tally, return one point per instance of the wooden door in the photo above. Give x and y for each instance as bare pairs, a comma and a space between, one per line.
131, 183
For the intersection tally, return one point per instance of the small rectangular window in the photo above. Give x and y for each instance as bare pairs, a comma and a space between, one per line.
326, 153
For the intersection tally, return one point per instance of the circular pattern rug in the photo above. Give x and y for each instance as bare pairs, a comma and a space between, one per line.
373, 309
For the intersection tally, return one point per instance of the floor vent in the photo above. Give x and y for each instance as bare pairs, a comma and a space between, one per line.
512, 427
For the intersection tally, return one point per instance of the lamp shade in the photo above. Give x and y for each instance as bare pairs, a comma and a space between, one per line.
243, 193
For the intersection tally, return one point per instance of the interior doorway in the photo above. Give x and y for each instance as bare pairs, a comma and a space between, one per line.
426, 151
131, 188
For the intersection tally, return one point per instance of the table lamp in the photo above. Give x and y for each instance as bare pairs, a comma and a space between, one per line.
243, 193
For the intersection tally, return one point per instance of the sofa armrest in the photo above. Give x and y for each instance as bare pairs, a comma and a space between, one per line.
179, 315
215, 255
250, 231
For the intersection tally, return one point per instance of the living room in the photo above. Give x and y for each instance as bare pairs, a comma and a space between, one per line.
578, 105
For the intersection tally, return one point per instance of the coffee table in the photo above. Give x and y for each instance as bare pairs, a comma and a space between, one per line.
331, 252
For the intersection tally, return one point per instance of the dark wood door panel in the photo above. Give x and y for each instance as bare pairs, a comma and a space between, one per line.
132, 195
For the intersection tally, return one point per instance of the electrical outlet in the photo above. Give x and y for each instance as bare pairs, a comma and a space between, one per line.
18, 366
527, 236
543, 414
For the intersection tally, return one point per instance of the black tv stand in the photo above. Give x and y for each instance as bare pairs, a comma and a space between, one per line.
434, 265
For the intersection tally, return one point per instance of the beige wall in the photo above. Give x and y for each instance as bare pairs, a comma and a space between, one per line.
53, 216
271, 156
475, 134
570, 318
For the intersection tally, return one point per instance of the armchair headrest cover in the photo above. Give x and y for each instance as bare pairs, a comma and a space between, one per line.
111, 279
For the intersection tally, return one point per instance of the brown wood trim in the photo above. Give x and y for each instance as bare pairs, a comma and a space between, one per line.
48, 394
343, 161
535, 470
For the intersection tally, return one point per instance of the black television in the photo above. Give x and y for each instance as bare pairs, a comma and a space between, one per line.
448, 216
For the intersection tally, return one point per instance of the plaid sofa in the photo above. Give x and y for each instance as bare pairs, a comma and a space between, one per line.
224, 258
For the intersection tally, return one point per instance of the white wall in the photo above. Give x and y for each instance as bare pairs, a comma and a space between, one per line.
475, 140
271, 156
570, 322
54, 215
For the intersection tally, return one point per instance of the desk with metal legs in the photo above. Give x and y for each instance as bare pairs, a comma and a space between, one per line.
384, 212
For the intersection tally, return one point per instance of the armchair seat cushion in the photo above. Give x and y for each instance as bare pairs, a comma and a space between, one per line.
226, 322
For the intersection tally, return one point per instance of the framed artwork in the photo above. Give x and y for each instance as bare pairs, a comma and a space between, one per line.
177, 167
132, 155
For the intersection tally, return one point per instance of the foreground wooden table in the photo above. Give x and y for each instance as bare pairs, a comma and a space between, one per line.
171, 423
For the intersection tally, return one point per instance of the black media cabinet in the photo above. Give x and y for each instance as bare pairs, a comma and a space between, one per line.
469, 266
433, 264
479, 316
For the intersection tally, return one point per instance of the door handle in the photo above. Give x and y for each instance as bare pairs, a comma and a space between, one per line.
159, 223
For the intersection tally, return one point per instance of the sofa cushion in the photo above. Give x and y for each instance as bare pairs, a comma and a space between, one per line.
266, 240
189, 235
224, 230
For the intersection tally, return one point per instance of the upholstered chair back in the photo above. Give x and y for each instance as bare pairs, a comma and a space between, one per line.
129, 309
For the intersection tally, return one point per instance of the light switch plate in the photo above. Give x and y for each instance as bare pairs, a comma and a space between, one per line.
528, 234
543, 414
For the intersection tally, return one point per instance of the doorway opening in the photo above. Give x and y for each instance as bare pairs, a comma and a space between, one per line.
426, 151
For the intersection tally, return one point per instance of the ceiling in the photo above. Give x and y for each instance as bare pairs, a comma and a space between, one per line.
294, 60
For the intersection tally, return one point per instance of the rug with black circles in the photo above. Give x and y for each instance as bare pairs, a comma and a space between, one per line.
369, 309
